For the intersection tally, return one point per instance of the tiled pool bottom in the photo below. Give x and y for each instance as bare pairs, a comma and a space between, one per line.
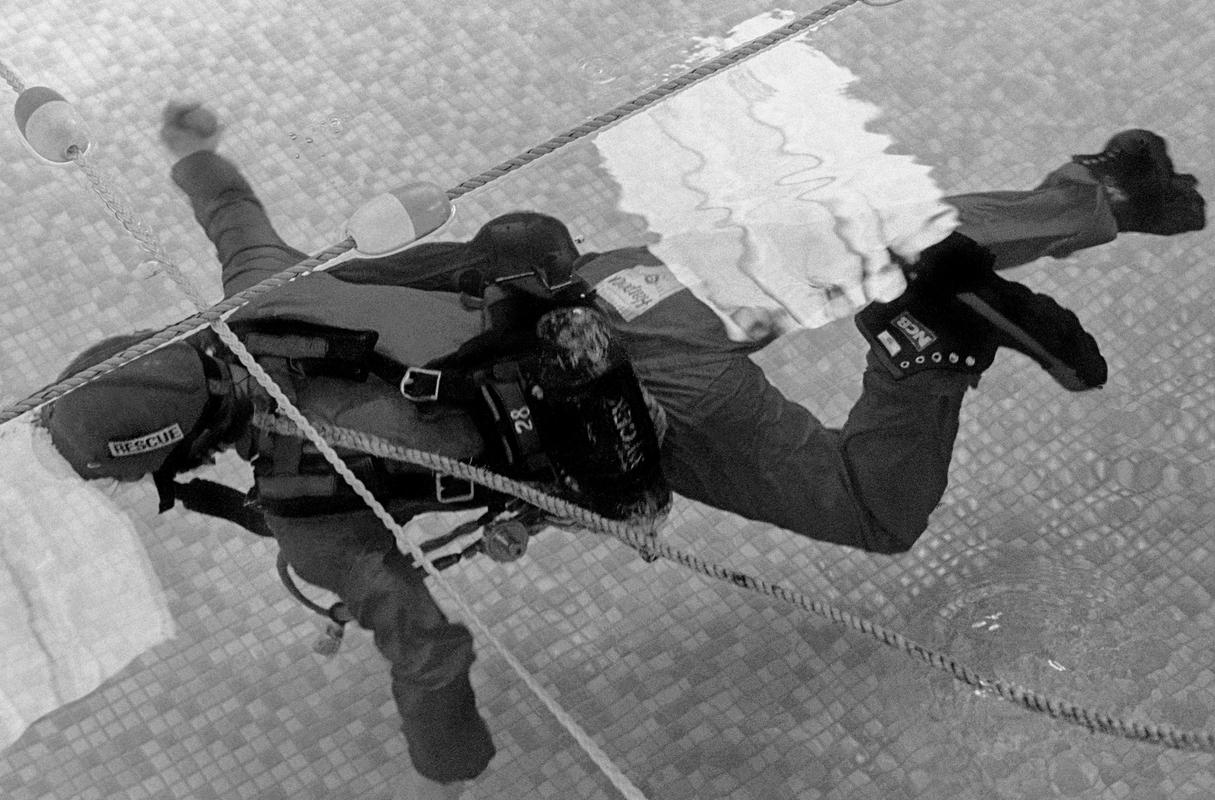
1071, 552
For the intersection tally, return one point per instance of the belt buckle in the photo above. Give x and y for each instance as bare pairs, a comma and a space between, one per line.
461, 491
424, 384
548, 282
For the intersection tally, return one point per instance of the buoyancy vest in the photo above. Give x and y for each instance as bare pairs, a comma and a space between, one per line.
330, 374
559, 406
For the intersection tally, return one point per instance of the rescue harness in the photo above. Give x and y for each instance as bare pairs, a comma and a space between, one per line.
567, 411
559, 406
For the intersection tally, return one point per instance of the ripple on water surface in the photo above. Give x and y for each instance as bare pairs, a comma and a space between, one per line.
1056, 624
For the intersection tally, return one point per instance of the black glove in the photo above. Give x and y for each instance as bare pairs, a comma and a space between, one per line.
218, 500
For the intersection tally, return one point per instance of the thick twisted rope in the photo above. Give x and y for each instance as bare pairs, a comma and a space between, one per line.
319, 262
301, 426
136, 227
662, 90
12, 78
178, 330
641, 539
148, 241
215, 316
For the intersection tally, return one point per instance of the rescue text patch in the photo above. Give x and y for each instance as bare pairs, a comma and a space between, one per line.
147, 443
636, 290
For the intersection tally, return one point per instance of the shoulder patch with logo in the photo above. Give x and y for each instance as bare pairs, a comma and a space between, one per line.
920, 336
147, 443
636, 290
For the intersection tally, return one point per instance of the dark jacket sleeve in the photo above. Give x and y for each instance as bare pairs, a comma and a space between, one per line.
432, 266
248, 247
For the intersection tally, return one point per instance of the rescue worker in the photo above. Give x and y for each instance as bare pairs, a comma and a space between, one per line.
731, 439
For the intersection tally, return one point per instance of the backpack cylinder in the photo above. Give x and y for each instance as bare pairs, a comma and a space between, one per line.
600, 436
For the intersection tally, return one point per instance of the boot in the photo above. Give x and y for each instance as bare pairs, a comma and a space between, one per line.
957, 312
1135, 163
1181, 210
1146, 195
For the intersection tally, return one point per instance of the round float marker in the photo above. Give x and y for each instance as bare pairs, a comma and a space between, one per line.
49, 126
396, 219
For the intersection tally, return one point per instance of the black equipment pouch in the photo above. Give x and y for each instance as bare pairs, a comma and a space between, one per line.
571, 409
594, 419
508, 395
563, 403
309, 348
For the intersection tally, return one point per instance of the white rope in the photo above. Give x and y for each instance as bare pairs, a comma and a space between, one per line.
601, 759
147, 240
285, 406
639, 538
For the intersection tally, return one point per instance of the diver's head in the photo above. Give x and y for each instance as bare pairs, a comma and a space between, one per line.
154, 413
528, 240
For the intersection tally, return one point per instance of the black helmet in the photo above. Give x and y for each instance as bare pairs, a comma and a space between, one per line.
528, 241
129, 422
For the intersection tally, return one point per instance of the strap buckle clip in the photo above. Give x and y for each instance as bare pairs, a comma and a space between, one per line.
452, 489
420, 385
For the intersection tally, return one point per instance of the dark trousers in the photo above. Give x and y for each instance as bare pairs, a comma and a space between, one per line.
735, 442
1068, 211
353, 555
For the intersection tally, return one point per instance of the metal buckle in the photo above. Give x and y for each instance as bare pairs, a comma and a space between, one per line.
556, 287
541, 277
423, 383
465, 488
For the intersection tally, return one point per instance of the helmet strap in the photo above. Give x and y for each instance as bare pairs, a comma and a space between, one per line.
215, 421
166, 488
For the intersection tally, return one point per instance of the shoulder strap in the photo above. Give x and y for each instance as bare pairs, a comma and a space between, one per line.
217, 500
312, 348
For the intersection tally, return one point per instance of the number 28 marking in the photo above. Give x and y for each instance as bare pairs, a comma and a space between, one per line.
523, 419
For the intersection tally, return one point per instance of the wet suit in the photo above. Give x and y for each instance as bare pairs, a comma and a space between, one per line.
733, 440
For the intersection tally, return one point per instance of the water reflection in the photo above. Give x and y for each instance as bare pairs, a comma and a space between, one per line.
1055, 623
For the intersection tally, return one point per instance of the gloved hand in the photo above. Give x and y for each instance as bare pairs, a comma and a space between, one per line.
188, 128
217, 500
